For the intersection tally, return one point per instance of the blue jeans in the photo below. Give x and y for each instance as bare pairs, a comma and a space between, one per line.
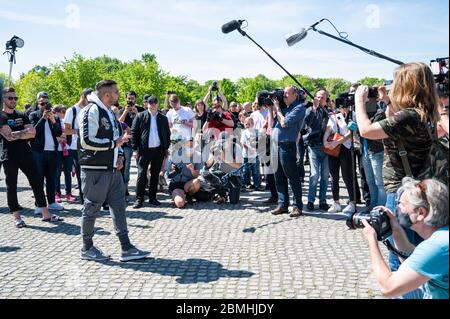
318, 162
66, 163
128, 154
413, 237
300, 159
373, 167
251, 167
288, 170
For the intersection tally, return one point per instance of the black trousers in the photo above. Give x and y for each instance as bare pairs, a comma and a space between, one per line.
155, 158
344, 162
28, 167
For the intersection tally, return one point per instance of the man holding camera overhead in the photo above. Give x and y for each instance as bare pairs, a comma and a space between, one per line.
218, 119
44, 147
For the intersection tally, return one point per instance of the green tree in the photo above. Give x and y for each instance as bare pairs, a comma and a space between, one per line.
371, 81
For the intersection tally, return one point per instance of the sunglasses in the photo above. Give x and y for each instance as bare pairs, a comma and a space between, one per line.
12, 98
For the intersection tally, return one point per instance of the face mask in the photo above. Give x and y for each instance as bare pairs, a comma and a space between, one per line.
403, 219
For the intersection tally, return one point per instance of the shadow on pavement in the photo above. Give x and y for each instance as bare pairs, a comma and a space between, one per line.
68, 229
188, 271
8, 249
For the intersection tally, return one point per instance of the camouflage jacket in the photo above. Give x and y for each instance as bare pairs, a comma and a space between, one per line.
406, 126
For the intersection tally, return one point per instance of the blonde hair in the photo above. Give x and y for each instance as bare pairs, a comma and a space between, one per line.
414, 87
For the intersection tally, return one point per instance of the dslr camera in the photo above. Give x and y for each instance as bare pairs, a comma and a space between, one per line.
215, 86
377, 218
213, 116
440, 70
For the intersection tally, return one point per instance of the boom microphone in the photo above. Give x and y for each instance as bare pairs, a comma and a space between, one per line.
231, 26
296, 37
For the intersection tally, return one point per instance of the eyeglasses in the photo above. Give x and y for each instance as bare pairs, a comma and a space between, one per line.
12, 98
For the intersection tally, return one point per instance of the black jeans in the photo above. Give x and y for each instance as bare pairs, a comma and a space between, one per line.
28, 167
46, 168
344, 161
155, 158
74, 155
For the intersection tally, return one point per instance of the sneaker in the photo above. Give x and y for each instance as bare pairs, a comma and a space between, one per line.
350, 209
70, 198
310, 206
20, 223
55, 206
133, 254
138, 204
335, 208
296, 212
37, 211
94, 254
324, 206
259, 189
58, 197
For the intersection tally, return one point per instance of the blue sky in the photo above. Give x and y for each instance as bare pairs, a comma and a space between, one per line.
187, 40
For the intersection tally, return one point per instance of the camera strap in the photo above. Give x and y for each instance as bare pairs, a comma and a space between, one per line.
389, 246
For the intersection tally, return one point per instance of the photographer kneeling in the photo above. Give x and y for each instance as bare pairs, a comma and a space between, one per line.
423, 207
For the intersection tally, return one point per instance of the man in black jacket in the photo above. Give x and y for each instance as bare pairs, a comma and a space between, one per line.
44, 148
150, 142
101, 159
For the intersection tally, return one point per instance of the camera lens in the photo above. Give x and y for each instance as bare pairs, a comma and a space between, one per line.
355, 220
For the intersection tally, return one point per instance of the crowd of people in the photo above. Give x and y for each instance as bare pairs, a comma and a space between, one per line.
213, 152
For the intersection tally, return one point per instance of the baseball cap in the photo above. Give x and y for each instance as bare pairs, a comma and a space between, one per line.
42, 95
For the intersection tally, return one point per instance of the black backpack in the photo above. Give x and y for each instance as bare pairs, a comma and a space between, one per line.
74, 113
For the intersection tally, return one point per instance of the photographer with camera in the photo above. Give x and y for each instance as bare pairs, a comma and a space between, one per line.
45, 147
290, 115
423, 207
218, 120
15, 132
127, 116
219, 98
316, 120
412, 105
443, 124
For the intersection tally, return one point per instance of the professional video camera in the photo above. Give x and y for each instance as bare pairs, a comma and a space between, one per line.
377, 218
440, 70
266, 97
347, 99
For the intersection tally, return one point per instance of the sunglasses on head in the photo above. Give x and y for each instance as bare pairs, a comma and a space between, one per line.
11, 98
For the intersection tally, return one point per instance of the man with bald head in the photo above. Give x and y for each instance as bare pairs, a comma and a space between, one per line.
289, 118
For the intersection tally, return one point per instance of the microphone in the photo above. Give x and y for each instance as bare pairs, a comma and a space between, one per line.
231, 26
296, 37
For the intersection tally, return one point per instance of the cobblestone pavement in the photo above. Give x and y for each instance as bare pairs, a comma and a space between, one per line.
204, 251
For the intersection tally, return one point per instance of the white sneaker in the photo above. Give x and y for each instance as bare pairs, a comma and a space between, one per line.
350, 209
335, 208
37, 211
55, 206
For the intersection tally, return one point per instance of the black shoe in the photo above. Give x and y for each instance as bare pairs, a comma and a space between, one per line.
127, 193
280, 211
296, 212
310, 206
105, 207
271, 200
324, 206
154, 202
138, 204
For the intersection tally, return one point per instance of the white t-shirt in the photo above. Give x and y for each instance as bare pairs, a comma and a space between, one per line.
68, 120
343, 129
258, 120
49, 143
180, 131
249, 138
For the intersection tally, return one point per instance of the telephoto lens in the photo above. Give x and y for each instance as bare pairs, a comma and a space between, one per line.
377, 218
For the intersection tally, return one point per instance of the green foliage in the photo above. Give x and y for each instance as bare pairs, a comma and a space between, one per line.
65, 80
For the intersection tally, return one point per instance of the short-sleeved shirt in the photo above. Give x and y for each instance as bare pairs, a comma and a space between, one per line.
16, 121
258, 120
249, 137
430, 259
219, 125
180, 131
337, 123
68, 119
407, 126
185, 174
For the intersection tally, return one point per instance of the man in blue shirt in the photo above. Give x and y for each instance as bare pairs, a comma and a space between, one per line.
286, 133
423, 207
